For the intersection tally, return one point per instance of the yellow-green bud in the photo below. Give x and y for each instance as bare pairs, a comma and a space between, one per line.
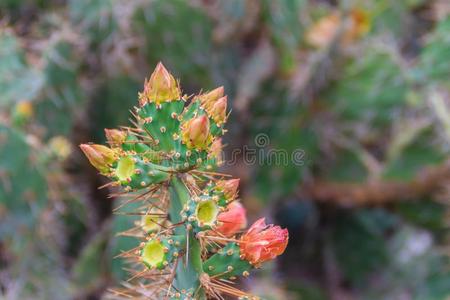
162, 87
208, 99
99, 156
219, 110
115, 137
196, 132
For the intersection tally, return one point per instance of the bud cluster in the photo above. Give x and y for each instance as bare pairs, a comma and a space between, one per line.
189, 220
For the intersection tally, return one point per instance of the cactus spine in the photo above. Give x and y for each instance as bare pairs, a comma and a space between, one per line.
190, 221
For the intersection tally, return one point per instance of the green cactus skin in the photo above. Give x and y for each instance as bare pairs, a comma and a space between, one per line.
188, 274
201, 212
132, 171
227, 263
164, 122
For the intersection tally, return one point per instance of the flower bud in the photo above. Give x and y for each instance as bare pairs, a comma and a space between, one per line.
263, 242
152, 221
60, 146
161, 87
360, 25
208, 99
219, 110
325, 30
322, 32
229, 187
115, 137
196, 132
99, 156
22, 113
232, 220
24, 109
215, 151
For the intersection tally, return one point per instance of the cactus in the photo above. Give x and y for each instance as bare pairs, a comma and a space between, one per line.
191, 246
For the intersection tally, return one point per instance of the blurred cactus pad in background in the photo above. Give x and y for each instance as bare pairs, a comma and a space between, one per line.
337, 130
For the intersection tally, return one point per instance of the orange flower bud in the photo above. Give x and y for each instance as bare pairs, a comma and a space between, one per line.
263, 242
161, 87
99, 156
324, 31
24, 109
233, 220
153, 221
215, 104
219, 110
196, 132
360, 25
215, 151
229, 187
208, 99
115, 137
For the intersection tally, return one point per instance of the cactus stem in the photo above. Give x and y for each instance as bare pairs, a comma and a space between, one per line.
187, 275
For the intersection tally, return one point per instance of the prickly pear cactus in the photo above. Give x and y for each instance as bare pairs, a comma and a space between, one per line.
192, 245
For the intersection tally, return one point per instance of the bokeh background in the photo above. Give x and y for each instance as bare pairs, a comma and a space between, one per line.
360, 87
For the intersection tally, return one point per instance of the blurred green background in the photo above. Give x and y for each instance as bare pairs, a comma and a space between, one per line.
360, 88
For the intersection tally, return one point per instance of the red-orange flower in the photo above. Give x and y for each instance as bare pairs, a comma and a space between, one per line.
263, 242
233, 220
